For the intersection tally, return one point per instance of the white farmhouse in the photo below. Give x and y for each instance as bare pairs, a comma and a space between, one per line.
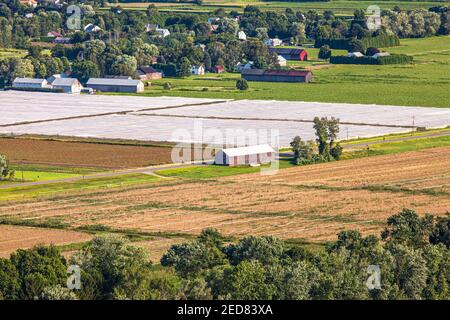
198, 70
251, 155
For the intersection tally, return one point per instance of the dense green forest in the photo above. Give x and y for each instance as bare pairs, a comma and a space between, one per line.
412, 257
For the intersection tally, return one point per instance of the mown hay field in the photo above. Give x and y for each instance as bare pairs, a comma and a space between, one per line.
312, 203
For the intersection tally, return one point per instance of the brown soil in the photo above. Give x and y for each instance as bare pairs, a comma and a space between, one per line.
16, 237
79, 154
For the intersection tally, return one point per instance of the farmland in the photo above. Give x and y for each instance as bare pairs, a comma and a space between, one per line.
311, 203
82, 154
179, 119
341, 7
422, 84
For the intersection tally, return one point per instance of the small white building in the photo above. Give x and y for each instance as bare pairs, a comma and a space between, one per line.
380, 54
243, 66
198, 70
68, 85
29, 83
282, 62
273, 42
150, 27
242, 35
250, 155
162, 33
90, 28
355, 55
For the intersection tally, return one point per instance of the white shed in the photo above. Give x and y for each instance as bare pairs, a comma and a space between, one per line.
258, 154
242, 35
282, 62
68, 85
29, 83
198, 70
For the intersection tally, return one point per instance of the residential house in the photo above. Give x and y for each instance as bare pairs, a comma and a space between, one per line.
355, 55
218, 69
250, 155
162, 33
115, 85
242, 35
243, 66
150, 27
198, 70
291, 53
148, 73
90, 28
273, 42
68, 85
276, 75
381, 54
31, 3
282, 62
54, 34
61, 40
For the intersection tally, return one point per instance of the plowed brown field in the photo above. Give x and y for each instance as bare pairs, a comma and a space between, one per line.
15, 237
79, 154
310, 202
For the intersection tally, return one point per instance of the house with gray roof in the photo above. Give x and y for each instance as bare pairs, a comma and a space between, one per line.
68, 85
115, 85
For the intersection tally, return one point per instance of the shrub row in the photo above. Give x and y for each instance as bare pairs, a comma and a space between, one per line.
392, 59
381, 41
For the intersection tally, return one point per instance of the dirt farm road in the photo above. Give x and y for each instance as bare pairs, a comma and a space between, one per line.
153, 169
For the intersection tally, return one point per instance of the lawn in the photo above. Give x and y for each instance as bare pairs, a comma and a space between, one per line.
18, 193
425, 83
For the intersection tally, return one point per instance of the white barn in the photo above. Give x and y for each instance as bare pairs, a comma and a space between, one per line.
258, 154
68, 85
29, 83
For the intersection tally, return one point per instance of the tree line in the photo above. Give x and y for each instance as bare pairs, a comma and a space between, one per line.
412, 257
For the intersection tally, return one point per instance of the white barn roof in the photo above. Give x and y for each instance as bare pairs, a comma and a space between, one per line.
64, 82
242, 151
30, 80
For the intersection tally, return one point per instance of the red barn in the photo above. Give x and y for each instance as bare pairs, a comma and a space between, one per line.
291, 53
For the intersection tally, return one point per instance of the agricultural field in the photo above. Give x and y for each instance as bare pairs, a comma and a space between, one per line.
340, 7
424, 83
185, 120
308, 203
13, 237
97, 156
12, 53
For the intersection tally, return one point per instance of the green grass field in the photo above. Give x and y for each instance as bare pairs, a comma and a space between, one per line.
18, 193
340, 7
11, 53
424, 83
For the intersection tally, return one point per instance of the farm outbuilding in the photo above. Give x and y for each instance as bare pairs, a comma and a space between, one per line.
258, 154
276, 75
68, 85
290, 53
29, 83
115, 85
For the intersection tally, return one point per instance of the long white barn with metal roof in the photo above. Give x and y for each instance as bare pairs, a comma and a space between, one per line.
258, 154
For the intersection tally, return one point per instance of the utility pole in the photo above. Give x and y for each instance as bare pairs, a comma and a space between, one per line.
21, 168
413, 120
347, 133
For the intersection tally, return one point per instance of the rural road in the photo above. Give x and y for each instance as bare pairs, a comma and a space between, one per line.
108, 174
153, 169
